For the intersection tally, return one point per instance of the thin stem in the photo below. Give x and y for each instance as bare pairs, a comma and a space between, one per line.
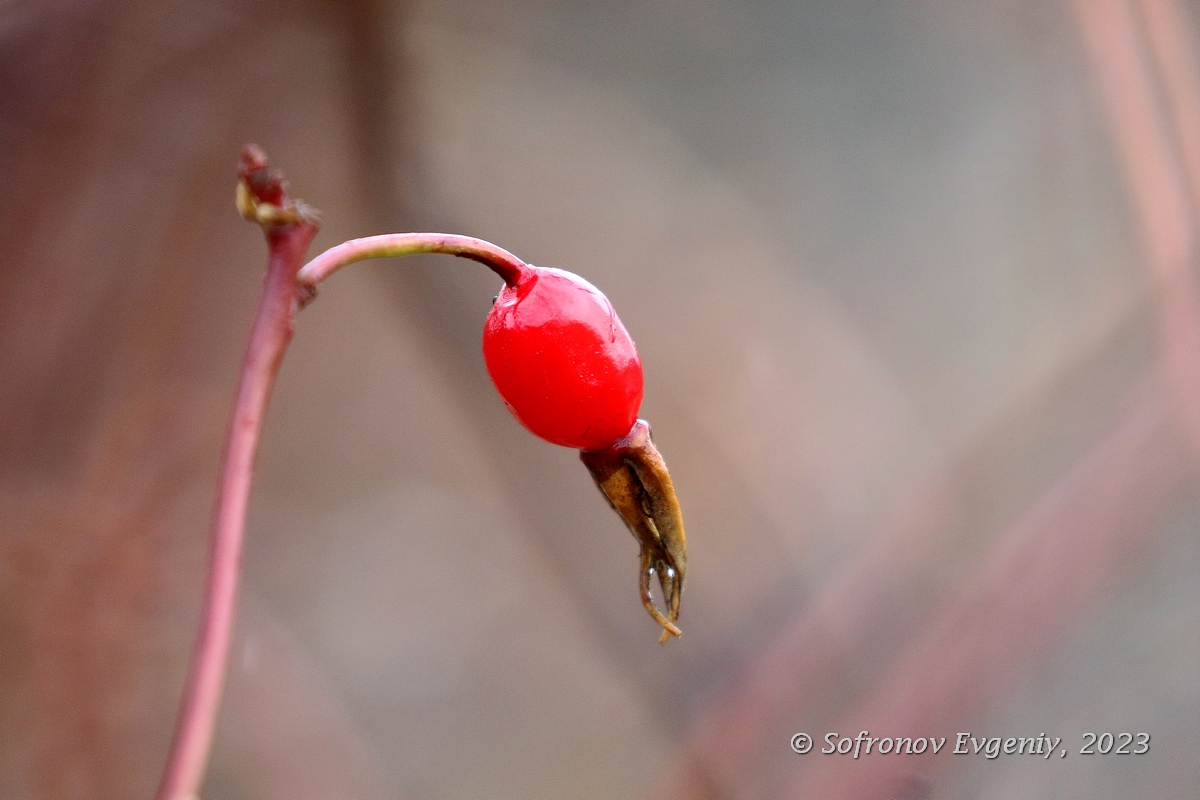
269, 338
499, 260
290, 227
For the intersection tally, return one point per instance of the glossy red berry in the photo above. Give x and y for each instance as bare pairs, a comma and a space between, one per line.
562, 361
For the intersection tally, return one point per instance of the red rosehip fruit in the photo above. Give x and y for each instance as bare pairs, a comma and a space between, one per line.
562, 361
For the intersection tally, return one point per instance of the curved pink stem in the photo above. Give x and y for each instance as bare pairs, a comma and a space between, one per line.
499, 260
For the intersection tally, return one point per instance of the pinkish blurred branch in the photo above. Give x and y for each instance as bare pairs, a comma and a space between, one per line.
289, 228
1065, 549
1038, 575
1147, 144
1043, 571
1168, 32
1069, 543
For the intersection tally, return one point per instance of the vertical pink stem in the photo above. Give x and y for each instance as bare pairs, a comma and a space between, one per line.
268, 341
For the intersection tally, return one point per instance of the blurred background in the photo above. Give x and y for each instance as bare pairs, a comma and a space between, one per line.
915, 289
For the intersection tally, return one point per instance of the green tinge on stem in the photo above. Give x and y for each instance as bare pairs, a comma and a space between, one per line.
499, 260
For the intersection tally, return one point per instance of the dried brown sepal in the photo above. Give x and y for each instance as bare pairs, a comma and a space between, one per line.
262, 193
633, 477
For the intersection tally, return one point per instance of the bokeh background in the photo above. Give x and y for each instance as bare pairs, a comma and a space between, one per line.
915, 288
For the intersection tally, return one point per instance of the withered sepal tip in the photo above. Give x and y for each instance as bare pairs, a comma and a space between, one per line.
633, 477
